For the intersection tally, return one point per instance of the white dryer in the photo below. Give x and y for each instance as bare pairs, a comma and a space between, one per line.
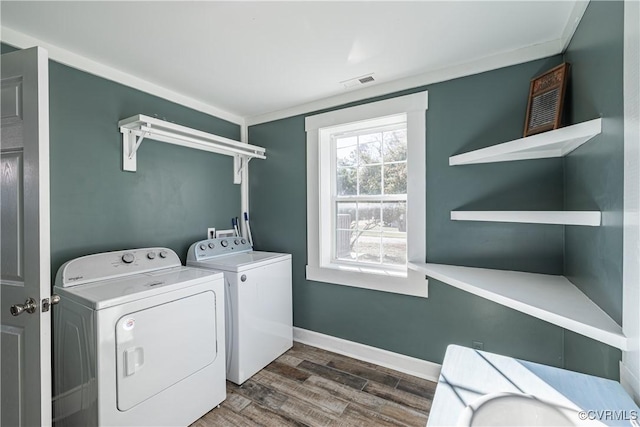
138, 340
259, 317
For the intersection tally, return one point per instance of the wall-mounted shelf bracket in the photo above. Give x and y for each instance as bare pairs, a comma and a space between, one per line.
239, 163
137, 145
135, 129
130, 143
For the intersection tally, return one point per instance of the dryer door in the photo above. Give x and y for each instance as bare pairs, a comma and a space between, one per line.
159, 346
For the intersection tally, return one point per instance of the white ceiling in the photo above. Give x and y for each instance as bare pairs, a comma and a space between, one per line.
252, 58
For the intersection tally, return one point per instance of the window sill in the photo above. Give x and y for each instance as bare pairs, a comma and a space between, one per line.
413, 283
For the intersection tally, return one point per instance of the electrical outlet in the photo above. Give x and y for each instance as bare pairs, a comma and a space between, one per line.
211, 233
477, 345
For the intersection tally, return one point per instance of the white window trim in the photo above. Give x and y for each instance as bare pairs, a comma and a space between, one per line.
411, 282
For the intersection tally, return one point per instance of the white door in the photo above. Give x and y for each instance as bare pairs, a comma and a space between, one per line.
25, 261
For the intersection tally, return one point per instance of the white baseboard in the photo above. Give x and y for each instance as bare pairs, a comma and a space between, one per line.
630, 383
399, 362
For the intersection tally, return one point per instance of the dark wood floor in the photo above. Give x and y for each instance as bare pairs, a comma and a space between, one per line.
308, 386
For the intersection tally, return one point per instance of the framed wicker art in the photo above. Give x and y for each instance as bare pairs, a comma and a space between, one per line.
546, 99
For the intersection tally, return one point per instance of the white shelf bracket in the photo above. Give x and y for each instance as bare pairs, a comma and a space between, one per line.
136, 146
239, 163
130, 144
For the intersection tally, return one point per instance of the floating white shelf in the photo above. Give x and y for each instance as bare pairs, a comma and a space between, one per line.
551, 298
589, 218
555, 143
137, 128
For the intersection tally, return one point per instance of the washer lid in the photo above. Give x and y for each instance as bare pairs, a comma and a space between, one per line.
108, 293
241, 261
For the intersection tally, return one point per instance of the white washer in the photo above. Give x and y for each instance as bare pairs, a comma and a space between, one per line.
258, 308
138, 340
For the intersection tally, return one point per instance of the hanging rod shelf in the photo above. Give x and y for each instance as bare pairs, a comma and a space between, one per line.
139, 127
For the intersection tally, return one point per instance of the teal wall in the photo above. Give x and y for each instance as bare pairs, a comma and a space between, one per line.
4, 48
170, 201
479, 110
593, 174
463, 114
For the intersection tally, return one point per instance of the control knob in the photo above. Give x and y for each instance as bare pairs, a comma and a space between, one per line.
163, 254
237, 242
151, 255
243, 241
224, 243
128, 258
203, 247
212, 245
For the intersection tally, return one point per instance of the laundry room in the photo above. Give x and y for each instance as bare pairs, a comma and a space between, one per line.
452, 260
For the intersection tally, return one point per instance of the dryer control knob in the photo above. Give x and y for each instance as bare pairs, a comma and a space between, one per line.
224, 243
203, 247
211, 245
243, 241
163, 254
151, 255
237, 242
128, 258
243, 278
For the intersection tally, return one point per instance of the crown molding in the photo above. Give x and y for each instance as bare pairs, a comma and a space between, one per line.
501, 60
570, 27
71, 59
494, 62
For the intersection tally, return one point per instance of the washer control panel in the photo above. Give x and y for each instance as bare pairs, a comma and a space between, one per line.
210, 248
107, 265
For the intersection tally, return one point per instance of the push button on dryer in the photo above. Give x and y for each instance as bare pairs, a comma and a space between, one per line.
128, 258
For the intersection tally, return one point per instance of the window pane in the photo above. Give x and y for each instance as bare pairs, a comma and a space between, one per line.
394, 216
369, 216
347, 155
345, 215
368, 247
395, 145
394, 250
371, 164
344, 243
345, 225
346, 142
346, 181
395, 178
370, 137
370, 149
370, 180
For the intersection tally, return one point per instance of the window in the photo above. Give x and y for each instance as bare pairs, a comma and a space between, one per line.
369, 193
366, 195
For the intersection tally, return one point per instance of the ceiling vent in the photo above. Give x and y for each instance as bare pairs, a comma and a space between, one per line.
358, 81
